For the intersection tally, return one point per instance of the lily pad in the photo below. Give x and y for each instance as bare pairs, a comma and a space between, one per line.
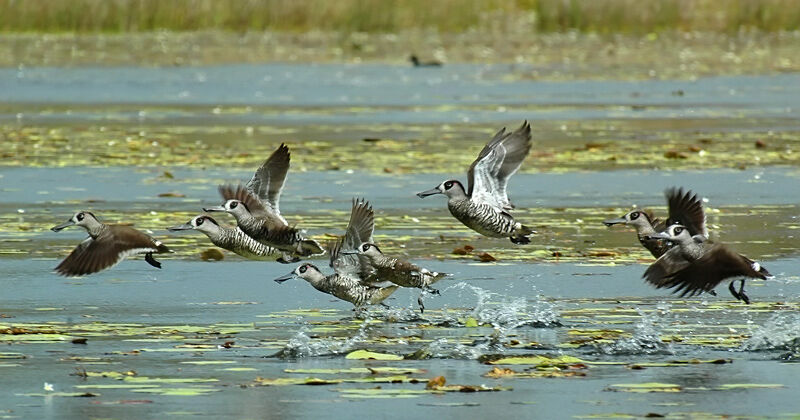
369, 355
646, 387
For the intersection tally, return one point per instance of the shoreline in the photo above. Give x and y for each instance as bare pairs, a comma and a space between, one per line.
548, 56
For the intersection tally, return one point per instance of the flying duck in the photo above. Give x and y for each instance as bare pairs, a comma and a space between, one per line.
227, 237
106, 246
695, 265
343, 287
344, 258
484, 207
399, 272
685, 208
255, 207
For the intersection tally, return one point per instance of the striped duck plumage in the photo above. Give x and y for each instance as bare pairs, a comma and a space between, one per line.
400, 272
695, 265
106, 246
685, 208
256, 209
227, 237
484, 207
340, 286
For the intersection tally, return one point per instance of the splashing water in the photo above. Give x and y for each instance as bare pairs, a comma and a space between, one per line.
646, 338
780, 332
301, 345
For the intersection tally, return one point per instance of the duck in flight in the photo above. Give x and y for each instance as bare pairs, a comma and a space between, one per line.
353, 280
695, 265
484, 206
106, 246
256, 209
685, 208
227, 237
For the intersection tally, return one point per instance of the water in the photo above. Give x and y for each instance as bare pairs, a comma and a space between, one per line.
193, 338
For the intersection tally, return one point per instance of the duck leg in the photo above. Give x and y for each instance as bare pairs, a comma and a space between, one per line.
712, 292
734, 292
419, 302
152, 261
742, 295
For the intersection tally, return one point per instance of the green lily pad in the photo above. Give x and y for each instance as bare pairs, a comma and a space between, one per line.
369, 355
750, 386
536, 360
181, 392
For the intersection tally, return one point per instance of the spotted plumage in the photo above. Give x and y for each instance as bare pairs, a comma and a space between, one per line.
400, 272
343, 253
227, 237
695, 265
343, 287
256, 209
484, 207
106, 246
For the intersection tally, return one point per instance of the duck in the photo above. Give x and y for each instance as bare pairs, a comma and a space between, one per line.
685, 208
227, 237
695, 265
344, 258
484, 206
343, 287
255, 207
106, 246
399, 272
415, 61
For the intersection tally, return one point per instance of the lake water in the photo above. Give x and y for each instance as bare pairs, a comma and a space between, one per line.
206, 339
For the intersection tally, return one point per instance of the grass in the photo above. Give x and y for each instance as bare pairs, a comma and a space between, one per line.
602, 16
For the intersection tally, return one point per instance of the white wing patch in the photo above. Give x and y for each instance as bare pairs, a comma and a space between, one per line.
487, 188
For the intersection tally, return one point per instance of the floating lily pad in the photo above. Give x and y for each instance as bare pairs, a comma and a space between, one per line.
646, 387
368, 355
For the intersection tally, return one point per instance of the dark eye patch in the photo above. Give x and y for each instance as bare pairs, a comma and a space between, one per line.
634, 215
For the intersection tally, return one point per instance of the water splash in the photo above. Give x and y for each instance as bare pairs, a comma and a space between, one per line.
780, 332
301, 345
646, 338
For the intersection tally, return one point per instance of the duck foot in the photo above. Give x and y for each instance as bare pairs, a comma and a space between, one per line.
152, 261
712, 292
432, 291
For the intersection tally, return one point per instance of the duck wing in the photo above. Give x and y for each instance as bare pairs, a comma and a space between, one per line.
267, 182
114, 244
254, 205
497, 162
659, 273
686, 209
359, 230
715, 266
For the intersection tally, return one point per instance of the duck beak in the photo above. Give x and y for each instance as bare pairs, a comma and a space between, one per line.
612, 222
66, 224
349, 252
185, 226
659, 235
432, 191
212, 209
285, 277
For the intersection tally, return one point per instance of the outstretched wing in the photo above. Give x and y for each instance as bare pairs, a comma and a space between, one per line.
267, 182
686, 209
359, 230
500, 158
93, 255
255, 206
715, 266
660, 272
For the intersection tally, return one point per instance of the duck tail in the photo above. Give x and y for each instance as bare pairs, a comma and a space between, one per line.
521, 233
379, 295
161, 248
